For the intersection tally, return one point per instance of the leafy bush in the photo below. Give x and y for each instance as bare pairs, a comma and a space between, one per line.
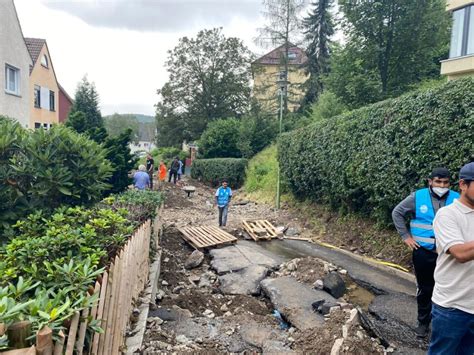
140, 205
369, 159
220, 139
327, 106
212, 171
255, 133
46, 169
47, 270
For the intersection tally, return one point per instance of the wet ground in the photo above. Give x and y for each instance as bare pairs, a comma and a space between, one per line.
193, 314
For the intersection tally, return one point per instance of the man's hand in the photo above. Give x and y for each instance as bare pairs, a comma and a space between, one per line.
412, 243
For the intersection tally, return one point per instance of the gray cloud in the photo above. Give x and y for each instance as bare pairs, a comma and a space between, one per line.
157, 15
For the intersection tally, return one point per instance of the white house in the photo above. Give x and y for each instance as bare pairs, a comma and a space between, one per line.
15, 64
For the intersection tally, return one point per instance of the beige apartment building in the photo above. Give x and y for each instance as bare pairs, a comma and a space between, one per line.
268, 69
461, 53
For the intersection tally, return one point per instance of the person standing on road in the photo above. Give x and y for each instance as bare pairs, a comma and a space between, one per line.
223, 197
174, 170
150, 167
453, 295
161, 173
141, 179
422, 205
180, 169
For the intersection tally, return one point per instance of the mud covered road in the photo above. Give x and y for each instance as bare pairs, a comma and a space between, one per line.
270, 297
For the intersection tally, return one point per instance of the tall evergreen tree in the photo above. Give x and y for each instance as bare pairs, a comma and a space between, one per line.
85, 116
318, 29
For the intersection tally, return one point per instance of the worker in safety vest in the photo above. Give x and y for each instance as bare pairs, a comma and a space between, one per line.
422, 206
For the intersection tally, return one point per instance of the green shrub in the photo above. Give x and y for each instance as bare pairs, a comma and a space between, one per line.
255, 133
212, 171
46, 169
220, 139
369, 159
140, 205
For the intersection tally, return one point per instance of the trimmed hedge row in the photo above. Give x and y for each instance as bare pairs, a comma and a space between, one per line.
212, 171
369, 159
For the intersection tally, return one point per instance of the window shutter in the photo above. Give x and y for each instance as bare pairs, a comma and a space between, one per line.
45, 98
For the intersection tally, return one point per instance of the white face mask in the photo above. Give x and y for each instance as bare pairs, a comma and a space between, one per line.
440, 191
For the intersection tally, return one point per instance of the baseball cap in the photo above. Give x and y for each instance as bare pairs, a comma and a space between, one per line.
467, 172
440, 173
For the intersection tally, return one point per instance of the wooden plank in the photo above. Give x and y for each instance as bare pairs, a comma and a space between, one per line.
108, 296
44, 341
115, 330
221, 236
100, 311
249, 230
18, 333
82, 332
71, 337
59, 345
112, 307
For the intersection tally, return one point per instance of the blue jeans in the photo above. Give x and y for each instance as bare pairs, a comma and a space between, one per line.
223, 215
452, 332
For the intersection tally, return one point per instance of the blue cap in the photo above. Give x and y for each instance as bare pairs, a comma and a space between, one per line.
467, 172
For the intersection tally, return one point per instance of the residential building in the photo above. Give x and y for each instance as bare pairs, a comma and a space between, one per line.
65, 103
142, 146
461, 53
44, 89
270, 68
15, 64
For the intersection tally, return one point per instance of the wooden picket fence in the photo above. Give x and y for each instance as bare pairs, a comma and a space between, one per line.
117, 287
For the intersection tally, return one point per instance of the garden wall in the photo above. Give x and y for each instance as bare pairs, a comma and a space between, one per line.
369, 159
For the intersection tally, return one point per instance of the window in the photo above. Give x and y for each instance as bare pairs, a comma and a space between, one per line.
12, 80
37, 125
462, 35
44, 61
37, 96
51, 100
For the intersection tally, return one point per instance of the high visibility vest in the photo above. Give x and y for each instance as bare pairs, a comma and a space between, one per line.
223, 196
421, 227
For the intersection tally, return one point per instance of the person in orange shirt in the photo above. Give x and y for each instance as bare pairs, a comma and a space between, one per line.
161, 173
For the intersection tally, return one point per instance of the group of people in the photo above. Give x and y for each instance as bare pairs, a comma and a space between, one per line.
143, 178
441, 235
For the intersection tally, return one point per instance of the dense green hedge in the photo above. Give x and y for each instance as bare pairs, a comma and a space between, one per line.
369, 159
212, 171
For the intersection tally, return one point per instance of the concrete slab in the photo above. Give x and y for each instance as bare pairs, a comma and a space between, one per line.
243, 282
293, 300
242, 255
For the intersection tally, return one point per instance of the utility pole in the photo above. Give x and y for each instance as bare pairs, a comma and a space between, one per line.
282, 83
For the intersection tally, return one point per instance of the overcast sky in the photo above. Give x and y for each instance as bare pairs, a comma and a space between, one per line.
122, 44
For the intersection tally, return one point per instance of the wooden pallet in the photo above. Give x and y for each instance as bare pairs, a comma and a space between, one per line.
260, 229
206, 236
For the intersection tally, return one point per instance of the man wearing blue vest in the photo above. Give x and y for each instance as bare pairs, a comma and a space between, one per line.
223, 197
422, 206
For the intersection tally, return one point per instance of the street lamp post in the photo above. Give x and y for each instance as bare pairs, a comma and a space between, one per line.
282, 84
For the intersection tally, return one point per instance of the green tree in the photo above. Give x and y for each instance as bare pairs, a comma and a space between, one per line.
318, 29
327, 106
209, 78
220, 139
401, 40
116, 124
85, 116
118, 153
352, 79
257, 130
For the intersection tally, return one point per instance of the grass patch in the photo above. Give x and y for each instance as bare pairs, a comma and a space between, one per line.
261, 177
